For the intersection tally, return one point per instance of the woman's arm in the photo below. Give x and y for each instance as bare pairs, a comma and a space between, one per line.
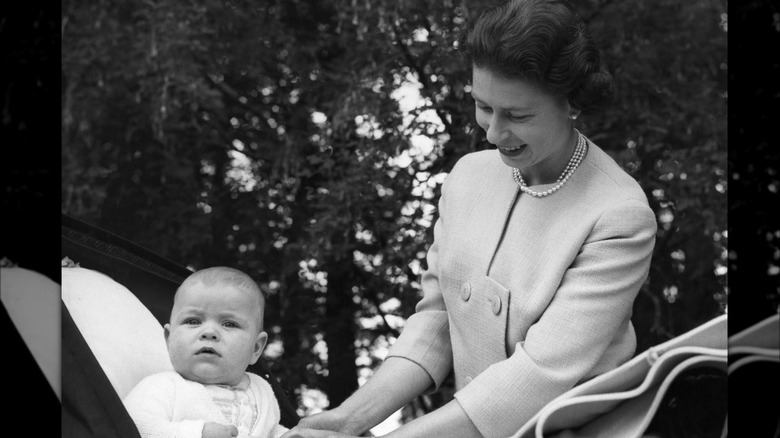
420, 359
450, 420
395, 383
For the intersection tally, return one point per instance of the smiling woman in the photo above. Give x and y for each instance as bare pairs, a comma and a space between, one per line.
539, 251
532, 129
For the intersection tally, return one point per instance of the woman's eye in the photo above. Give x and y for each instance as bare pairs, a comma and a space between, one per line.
517, 118
486, 109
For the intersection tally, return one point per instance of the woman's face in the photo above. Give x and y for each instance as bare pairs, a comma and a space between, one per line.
531, 128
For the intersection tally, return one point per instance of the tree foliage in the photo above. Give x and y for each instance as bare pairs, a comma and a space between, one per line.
305, 142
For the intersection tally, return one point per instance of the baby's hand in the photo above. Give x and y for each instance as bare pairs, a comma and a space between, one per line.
216, 430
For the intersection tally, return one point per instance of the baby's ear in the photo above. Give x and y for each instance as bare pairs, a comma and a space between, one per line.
166, 332
260, 341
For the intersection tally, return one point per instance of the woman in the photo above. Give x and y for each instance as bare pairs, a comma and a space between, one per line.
540, 250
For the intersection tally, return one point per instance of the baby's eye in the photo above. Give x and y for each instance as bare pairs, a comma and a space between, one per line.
230, 324
192, 321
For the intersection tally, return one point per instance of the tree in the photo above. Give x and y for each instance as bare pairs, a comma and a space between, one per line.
306, 141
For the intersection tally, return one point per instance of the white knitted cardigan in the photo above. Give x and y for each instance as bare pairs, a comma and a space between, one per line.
165, 405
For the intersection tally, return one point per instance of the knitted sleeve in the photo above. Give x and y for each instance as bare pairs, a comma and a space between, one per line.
151, 405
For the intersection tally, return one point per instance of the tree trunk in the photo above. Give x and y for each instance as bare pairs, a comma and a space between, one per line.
340, 334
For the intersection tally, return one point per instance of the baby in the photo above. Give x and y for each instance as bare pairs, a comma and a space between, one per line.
215, 333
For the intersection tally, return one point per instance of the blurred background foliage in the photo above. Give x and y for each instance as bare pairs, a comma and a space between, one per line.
306, 141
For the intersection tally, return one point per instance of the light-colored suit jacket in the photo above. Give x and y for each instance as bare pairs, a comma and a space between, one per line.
526, 297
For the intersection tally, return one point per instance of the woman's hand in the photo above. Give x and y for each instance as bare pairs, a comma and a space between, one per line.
216, 430
303, 432
327, 420
328, 424
370, 404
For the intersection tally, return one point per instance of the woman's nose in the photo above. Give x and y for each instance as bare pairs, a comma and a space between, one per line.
496, 132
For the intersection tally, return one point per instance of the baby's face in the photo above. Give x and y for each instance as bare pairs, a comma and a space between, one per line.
215, 333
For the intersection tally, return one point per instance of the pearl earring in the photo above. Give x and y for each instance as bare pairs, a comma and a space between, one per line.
574, 116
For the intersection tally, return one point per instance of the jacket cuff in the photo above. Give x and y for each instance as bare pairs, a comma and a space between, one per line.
425, 340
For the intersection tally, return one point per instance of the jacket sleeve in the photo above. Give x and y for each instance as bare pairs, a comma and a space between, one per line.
425, 339
151, 406
592, 304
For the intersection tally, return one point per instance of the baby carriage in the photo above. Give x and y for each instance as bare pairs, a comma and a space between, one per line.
115, 297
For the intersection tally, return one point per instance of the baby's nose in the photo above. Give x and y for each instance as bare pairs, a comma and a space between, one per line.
209, 333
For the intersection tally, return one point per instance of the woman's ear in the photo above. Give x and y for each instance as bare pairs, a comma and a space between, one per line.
572, 112
260, 341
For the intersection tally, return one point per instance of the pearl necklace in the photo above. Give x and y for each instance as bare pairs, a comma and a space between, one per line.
574, 162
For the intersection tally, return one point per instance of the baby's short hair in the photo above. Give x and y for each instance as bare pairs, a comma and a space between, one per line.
228, 276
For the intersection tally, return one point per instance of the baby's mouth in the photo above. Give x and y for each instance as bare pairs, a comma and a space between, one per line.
207, 351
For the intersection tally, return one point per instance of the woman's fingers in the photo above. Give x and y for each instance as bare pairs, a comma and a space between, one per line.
303, 432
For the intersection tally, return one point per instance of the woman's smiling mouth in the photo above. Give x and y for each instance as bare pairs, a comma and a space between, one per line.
511, 151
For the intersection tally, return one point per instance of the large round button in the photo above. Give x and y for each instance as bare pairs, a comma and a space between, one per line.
468, 379
465, 291
495, 304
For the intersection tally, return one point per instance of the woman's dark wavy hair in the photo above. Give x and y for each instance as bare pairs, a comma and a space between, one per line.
542, 41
